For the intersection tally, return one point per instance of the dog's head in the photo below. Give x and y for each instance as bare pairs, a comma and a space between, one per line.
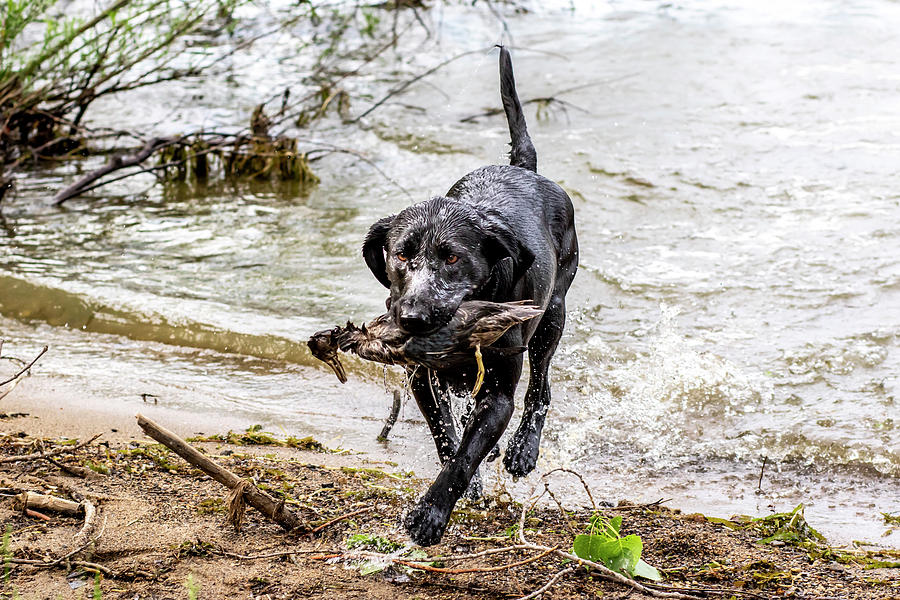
435, 254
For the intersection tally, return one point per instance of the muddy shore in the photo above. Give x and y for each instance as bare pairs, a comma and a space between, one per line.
161, 530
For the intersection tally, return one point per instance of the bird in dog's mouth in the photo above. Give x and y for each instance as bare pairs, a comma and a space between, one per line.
476, 325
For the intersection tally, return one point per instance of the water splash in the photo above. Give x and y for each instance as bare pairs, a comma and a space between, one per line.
667, 405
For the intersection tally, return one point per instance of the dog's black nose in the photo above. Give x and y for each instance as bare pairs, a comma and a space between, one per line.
414, 323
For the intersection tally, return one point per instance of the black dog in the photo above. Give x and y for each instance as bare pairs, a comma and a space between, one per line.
501, 233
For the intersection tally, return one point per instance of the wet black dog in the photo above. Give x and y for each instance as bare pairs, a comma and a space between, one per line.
501, 233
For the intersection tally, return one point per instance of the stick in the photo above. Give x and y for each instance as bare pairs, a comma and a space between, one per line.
255, 497
114, 164
392, 418
397, 89
761, 471
39, 455
90, 514
548, 585
74, 470
425, 567
36, 514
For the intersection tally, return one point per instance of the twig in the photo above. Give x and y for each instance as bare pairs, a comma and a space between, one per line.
36, 514
580, 478
549, 584
90, 514
366, 160
476, 554
269, 554
340, 518
24, 369
425, 567
398, 89
40, 455
761, 471
91, 566
659, 502
74, 470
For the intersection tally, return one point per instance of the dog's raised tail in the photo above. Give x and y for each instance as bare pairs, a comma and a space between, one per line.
522, 153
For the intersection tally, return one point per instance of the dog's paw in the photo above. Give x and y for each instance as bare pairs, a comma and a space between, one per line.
426, 523
521, 454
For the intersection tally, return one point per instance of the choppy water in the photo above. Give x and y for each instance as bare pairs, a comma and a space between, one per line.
733, 169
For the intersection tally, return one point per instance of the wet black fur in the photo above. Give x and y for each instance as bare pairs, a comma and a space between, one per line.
513, 232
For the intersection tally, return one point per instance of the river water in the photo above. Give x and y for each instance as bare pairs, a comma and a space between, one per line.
734, 172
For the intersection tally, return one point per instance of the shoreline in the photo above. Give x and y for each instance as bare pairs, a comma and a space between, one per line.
54, 412
350, 543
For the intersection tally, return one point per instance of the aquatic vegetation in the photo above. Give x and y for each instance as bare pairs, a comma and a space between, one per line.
788, 527
255, 436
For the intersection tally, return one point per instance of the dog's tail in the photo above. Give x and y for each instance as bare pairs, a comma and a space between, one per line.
522, 153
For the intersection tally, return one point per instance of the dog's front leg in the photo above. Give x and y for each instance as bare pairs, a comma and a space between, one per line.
435, 407
427, 521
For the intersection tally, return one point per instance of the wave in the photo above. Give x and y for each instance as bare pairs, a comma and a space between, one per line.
30, 301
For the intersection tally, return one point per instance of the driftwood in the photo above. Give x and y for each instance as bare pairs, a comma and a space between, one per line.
255, 497
42, 455
114, 164
34, 504
40, 502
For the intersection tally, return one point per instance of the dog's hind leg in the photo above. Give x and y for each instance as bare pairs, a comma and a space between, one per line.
522, 452
522, 152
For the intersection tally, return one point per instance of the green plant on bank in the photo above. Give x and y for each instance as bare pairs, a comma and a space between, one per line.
157, 453
604, 544
53, 66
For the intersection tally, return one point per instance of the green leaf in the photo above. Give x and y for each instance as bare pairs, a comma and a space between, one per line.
616, 524
587, 546
644, 570
631, 549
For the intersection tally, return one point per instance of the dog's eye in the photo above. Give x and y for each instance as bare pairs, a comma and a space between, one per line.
452, 259
401, 257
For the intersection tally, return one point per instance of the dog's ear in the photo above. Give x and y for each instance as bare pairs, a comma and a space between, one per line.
373, 249
500, 244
